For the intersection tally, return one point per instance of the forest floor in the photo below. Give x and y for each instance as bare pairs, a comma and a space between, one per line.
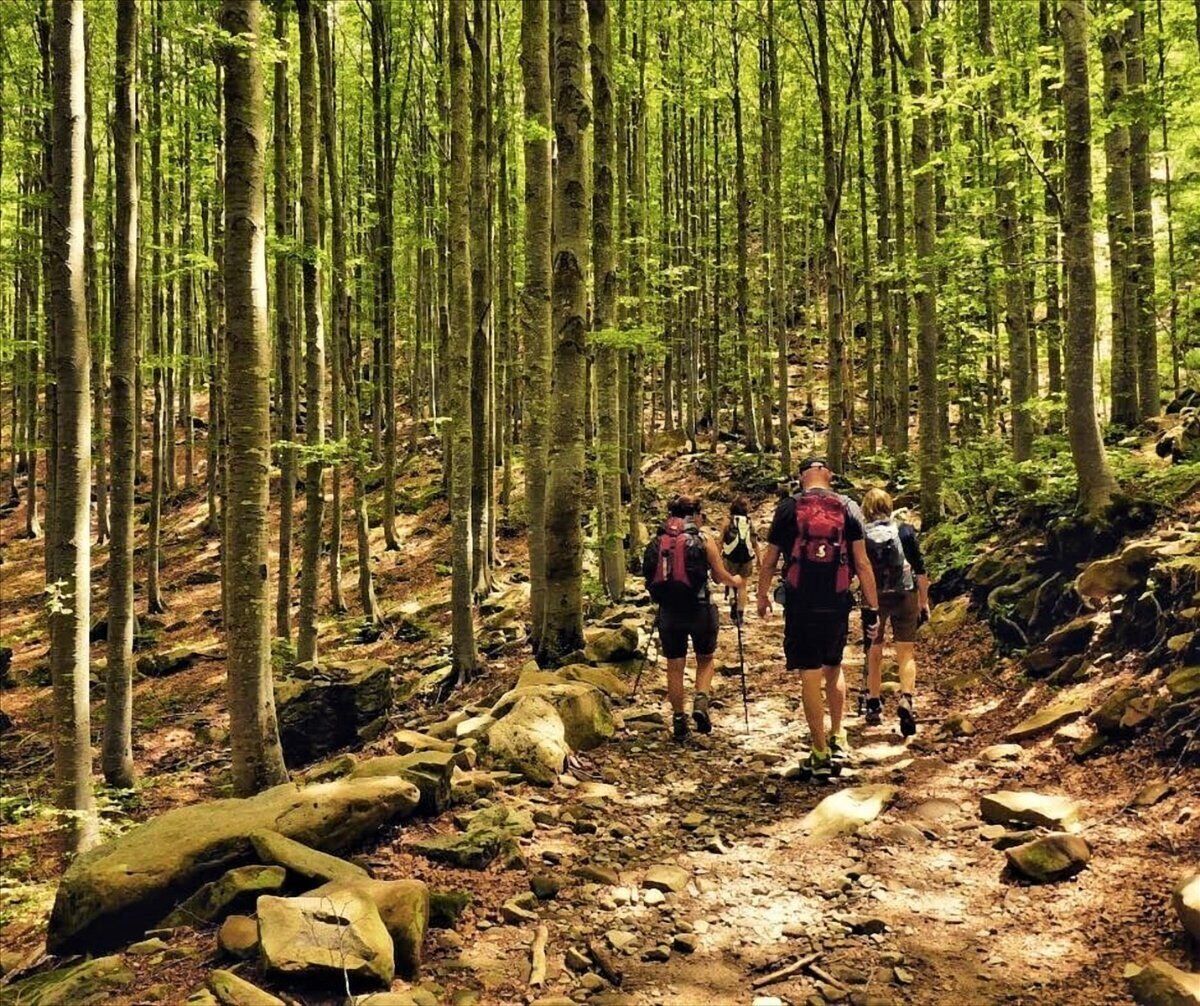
915, 907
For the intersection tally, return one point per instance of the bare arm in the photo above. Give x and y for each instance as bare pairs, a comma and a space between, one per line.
767, 561
923, 591
866, 574
717, 565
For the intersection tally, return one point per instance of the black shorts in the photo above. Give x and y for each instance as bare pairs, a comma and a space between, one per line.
700, 623
813, 639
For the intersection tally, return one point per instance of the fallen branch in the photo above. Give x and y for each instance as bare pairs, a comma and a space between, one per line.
537, 956
604, 962
784, 972
825, 976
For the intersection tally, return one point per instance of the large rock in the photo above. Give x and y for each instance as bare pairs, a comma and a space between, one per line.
1048, 718
1184, 683
1066, 641
1107, 718
1050, 858
668, 878
429, 771
161, 665
302, 860
324, 938
94, 981
403, 906
611, 646
531, 739
408, 741
1162, 984
1117, 574
322, 709
846, 811
1186, 902
602, 676
234, 990
584, 710
118, 889
948, 617
487, 833
230, 892
1029, 808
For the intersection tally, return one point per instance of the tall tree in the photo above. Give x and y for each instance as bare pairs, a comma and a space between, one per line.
158, 352
465, 657
1096, 484
253, 732
117, 756
889, 405
535, 293
608, 452
562, 631
314, 334
1119, 199
70, 597
742, 291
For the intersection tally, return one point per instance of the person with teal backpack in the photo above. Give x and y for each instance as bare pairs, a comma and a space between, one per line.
903, 601
739, 549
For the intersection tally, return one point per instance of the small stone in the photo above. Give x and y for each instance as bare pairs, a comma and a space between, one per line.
666, 878
545, 885
238, 936
1001, 752
653, 897
515, 914
1186, 902
597, 874
657, 954
692, 821
234, 990
1028, 807
576, 960
685, 943
621, 939
144, 948
1050, 858
902, 976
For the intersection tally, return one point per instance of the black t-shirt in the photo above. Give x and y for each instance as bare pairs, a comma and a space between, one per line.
783, 534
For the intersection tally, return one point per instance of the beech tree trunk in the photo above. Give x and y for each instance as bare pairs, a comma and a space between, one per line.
1096, 484
749, 412
70, 594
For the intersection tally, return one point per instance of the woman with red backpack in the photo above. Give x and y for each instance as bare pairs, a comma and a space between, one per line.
676, 565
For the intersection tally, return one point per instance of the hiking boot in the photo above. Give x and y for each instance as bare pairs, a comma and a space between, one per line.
874, 712
908, 719
679, 727
818, 766
700, 713
839, 749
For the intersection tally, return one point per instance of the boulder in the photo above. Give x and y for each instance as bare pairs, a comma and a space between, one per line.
180, 658
102, 901
1048, 718
948, 617
1029, 808
1118, 574
94, 981
330, 939
602, 676
487, 833
403, 906
585, 711
1184, 683
531, 739
330, 706
238, 888
445, 908
238, 936
1107, 718
312, 864
846, 811
408, 741
1162, 984
234, 990
1186, 902
611, 646
429, 771
1050, 858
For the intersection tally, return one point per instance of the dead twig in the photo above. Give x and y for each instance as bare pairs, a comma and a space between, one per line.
537, 956
784, 972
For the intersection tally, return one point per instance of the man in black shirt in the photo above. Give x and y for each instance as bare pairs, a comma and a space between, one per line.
820, 534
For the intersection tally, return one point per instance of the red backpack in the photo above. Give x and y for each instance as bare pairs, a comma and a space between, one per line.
675, 564
820, 562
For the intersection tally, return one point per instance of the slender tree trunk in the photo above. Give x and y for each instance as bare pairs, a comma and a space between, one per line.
253, 733
154, 600
535, 294
749, 417
900, 289
562, 632
608, 452
70, 598
1167, 193
314, 422
638, 229
1146, 320
187, 295
1096, 484
117, 756
96, 331
888, 392
1122, 258
923, 229
778, 262
283, 324
505, 336
1050, 166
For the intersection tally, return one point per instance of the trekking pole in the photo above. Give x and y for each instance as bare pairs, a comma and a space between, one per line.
737, 621
652, 642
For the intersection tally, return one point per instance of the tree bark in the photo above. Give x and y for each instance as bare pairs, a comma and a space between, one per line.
1096, 484
154, 600
70, 595
253, 733
562, 632
888, 393
1050, 165
117, 754
314, 331
749, 412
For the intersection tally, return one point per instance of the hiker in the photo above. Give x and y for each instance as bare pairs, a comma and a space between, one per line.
903, 588
739, 549
676, 565
820, 535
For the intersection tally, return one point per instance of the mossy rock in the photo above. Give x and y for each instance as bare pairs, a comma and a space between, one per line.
93, 981
236, 889
446, 908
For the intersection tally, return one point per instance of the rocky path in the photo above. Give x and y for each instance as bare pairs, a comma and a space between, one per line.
693, 874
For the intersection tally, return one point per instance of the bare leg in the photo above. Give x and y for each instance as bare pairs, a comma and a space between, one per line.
907, 659
675, 683
814, 707
704, 675
835, 695
875, 670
